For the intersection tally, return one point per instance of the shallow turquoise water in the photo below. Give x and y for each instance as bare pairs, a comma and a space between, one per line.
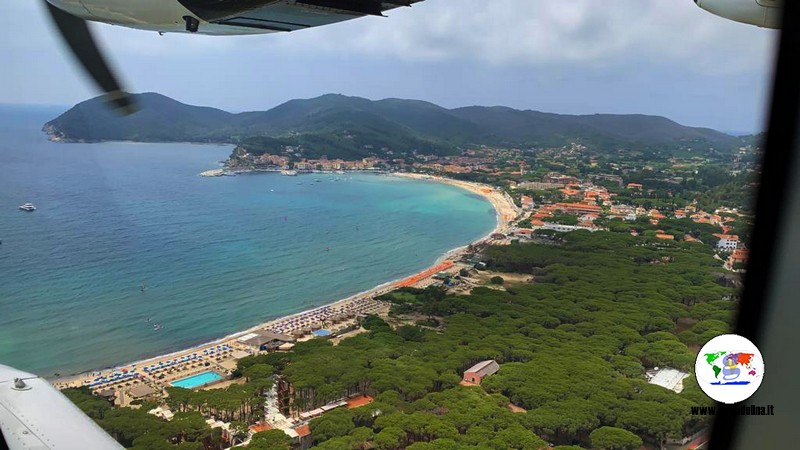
216, 255
197, 380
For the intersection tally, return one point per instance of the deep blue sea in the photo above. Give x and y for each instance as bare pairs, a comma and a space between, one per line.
217, 255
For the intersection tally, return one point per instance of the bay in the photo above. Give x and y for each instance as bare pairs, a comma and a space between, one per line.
216, 255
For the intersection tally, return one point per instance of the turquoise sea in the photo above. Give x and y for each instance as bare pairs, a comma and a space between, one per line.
217, 255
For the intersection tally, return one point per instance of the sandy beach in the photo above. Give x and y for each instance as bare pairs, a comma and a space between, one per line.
221, 355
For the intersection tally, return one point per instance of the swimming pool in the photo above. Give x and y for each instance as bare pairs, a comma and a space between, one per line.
200, 379
322, 333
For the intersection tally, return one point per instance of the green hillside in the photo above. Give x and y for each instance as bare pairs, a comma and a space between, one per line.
342, 126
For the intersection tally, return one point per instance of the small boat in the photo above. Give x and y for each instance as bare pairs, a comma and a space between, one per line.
289, 173
27, 207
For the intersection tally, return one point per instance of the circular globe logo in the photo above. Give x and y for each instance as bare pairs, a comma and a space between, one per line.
729, 368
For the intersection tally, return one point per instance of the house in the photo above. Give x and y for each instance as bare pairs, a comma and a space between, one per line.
260, 426
727, 241
569, 192
738, 256
667, 237
523, 233
304, 438
578, 208
567, 228
622, 210
636, 186
527, 202
478, 372
162, 412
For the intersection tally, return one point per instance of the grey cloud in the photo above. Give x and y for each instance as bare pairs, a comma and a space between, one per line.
658, 56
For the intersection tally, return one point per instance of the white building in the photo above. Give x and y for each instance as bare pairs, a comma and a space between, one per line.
728, 242
667, 377
565, 228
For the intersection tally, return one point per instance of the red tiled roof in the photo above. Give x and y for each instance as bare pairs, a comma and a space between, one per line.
740, 255
578, 206
359, 401
259, 427
303, 430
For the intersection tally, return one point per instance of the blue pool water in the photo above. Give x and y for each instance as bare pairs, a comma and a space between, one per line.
197, 380
127, 236
322, 333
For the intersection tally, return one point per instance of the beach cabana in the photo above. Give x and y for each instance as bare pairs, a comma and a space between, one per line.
142, 390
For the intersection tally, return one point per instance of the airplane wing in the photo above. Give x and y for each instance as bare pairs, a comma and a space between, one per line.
35, 416
291, 15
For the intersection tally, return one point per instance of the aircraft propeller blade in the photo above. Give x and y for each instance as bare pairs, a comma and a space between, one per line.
77, 35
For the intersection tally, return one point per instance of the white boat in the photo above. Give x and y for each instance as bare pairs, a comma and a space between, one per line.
27, 207
289, 173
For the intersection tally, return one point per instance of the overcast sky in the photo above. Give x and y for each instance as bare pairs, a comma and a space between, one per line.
663, 57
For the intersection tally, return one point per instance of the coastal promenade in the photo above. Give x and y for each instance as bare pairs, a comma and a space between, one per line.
220, 356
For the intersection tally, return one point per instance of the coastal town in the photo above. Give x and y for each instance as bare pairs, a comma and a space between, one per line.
533, 208
625, 190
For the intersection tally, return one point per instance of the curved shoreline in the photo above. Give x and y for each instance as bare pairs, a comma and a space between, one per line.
505, 212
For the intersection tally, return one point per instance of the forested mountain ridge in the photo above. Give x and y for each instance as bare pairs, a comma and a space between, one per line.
356, 127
